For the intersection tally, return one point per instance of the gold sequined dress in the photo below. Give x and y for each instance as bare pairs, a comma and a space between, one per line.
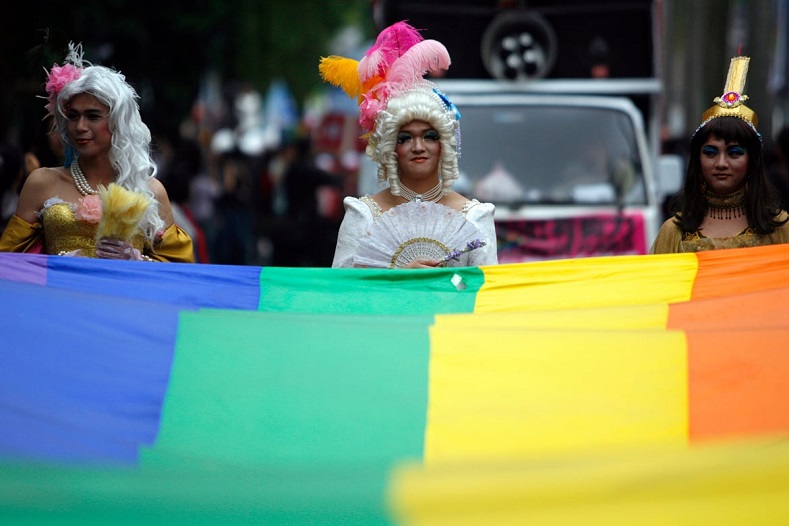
60, 232
671, 239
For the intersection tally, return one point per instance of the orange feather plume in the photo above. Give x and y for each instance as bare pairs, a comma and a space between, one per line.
341, 72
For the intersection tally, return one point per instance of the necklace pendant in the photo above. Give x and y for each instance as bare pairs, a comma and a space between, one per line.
432, 195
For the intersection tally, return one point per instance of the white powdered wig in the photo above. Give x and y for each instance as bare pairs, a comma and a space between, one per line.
420, 103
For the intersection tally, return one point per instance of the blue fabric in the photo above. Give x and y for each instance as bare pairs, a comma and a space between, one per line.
83, 375
24, 268
189, 285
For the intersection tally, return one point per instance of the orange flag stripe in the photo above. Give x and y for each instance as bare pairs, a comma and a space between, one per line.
737, 383
726, 272
763, 309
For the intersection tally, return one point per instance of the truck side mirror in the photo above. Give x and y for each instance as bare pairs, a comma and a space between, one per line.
669, 175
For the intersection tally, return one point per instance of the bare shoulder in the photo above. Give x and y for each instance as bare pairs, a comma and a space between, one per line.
386, 200
157, 187
40, 185
46, 176
160, 194
455, 200
381, 195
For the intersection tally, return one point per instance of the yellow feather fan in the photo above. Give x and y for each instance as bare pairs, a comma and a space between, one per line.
122, 211
341, 72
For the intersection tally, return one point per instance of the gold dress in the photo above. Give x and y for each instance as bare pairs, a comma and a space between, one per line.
671, 239
60, 232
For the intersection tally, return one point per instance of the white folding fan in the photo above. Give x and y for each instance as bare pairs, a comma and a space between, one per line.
416, 230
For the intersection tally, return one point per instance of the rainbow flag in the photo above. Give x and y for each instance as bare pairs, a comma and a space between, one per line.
620, 390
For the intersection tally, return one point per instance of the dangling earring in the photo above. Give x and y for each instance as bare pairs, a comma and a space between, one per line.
703, 186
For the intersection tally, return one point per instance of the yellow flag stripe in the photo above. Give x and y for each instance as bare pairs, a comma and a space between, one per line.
717, 485
584, 283
632, 317
499, 393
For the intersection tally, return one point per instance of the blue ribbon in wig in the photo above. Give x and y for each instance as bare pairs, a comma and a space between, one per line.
448, 103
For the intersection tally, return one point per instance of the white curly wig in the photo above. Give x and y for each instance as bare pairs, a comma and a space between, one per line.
131, 139
419, 103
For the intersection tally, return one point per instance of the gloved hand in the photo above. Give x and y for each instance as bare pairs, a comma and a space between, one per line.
423, 263
110, 248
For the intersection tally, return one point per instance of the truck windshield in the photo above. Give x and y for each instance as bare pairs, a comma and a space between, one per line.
519, 155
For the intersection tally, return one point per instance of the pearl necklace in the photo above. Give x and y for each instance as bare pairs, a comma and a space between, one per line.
80, 181
433, 195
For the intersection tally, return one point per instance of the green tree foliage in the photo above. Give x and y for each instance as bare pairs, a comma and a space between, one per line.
286, 38
164, 48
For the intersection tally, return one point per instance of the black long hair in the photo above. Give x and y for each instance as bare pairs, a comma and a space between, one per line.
761, 199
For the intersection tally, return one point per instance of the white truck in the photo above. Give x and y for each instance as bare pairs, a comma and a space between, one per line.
559, 127
572, 175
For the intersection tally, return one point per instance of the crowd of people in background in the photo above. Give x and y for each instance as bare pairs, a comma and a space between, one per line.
282, 207
279, 208
276, 203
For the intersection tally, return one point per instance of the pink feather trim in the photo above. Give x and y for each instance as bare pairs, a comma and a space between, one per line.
390, 45
369, 65
397, 38
368, 110
428, 55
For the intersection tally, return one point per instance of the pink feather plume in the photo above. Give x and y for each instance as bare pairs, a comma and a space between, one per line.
390, 45
428, 55
370, 64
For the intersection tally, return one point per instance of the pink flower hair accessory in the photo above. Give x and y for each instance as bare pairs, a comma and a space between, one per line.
59, 76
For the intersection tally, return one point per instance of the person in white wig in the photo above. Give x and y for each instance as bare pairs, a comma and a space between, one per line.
106, 202
413, 134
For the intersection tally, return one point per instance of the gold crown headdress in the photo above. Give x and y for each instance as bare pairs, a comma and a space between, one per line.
730, 104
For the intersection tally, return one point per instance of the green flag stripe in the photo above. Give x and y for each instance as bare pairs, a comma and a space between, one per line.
296, 391
369, 291
194, 495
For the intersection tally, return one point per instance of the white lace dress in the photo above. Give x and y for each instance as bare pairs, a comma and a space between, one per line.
361, 212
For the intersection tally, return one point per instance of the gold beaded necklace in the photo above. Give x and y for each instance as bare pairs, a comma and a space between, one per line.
726, 206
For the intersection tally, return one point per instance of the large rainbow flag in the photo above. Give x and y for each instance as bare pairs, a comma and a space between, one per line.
621, 390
